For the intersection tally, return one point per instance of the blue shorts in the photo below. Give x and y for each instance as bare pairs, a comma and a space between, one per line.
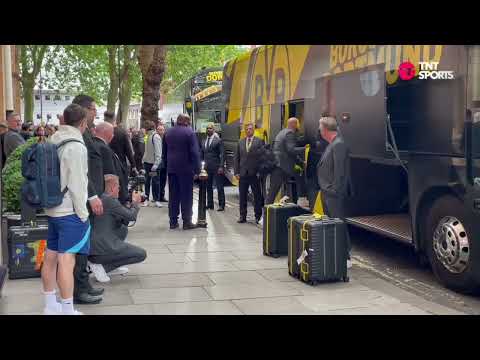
68, 234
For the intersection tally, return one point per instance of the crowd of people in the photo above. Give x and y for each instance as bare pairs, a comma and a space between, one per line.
87, 232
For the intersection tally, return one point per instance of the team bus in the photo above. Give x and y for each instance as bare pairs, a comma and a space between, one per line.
202, 99
410, 115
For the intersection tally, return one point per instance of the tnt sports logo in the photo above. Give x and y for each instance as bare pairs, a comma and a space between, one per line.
406, 70
428, 70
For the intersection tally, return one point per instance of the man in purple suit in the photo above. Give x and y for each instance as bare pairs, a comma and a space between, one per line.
181, 154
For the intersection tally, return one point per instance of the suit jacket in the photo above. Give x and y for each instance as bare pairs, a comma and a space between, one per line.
333, 170
139, 150
96, 183
286, 151
246, 163
110, 229
122, 146
181, 151
11, 140
113, 165
213, 155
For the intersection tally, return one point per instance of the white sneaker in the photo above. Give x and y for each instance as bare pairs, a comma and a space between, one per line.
260, 222
99, 272
56, 311
158, 204
122, 270
349, 264
145, 203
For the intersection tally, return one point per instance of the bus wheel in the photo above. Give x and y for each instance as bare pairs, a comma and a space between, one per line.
449, 245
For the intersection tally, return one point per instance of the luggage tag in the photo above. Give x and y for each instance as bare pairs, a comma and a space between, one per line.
302, 257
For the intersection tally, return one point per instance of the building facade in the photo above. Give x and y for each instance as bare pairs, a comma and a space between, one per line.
9, 86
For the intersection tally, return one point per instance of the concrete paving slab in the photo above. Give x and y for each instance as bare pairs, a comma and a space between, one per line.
272, 306
197, 308
145, 309
175, 280
249, 291
261, 264
277, 275
167, 295
222, 256
238, 277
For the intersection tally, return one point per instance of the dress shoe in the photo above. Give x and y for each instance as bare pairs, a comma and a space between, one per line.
163, 200
86, 298
221, 209
209, 207
173, 226
189, 226
96, 291
242, 221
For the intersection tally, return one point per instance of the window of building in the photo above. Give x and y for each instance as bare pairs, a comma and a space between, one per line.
67, 97
57, 98
47, 97
37, 97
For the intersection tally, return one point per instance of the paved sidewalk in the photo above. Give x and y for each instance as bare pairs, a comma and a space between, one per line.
221, 270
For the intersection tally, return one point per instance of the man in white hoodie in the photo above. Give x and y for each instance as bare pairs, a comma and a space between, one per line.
68, 224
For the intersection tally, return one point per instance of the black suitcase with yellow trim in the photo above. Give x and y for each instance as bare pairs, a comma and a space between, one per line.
318, 249
275, 227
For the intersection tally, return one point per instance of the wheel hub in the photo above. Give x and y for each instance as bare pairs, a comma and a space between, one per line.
451, 245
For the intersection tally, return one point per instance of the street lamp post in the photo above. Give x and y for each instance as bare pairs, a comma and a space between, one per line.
41, 97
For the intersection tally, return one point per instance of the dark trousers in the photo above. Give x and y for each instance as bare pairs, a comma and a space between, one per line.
180, 193
162, 182
130, 255
218, 179
81, 284
254, 183
334, 207
277, 179
154, 181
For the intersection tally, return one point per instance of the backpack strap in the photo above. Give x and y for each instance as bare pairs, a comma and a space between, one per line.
59, 145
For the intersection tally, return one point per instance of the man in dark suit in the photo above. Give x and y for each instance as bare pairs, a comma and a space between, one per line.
138, 143
84, 293
333, 171
181, 155
246, 171
104, 133
121, 143
212, 154
288, 156
109, 250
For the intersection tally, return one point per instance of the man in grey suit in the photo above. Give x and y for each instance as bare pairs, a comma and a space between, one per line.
333, 172
288, 155
109, 251
12, 138
212, 154
246, 171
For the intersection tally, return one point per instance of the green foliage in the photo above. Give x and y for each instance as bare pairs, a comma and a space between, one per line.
183, 61
12, 178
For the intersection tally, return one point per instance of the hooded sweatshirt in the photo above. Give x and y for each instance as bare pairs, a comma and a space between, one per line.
73, 174
153, 149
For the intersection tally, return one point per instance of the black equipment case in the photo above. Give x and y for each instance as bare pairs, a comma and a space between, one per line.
275, 227
26, 250
318, 249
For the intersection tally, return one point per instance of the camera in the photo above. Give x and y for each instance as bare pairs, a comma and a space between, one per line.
136, 183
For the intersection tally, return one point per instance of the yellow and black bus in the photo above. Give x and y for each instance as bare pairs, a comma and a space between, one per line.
410, 115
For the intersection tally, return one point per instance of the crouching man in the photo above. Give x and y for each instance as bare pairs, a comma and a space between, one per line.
109, 251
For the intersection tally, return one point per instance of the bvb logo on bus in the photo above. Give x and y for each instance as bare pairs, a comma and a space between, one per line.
215, 76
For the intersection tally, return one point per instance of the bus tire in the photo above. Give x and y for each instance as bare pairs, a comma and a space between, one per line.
449, 247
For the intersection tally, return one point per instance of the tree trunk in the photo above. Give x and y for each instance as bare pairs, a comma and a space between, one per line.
28, 105
114, 81
124, 102
152, 65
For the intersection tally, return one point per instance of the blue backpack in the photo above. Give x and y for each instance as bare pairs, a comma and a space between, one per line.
41, 170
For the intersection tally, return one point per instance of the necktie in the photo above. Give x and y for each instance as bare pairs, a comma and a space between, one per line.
249, 143
209, 140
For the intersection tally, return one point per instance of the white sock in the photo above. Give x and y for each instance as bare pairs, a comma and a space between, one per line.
67, 306
50, 299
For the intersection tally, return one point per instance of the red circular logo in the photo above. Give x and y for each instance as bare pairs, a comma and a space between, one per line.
406, 70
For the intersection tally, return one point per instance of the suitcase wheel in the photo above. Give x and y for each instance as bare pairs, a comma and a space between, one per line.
346, 279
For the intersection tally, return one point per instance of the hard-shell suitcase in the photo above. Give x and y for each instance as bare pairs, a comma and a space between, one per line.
26, 248
275, 227
318, 249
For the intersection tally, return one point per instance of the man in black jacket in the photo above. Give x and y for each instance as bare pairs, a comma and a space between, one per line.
333, 171
109, 250
288, 156
212, 154
84, 293
121, 143
246, 172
